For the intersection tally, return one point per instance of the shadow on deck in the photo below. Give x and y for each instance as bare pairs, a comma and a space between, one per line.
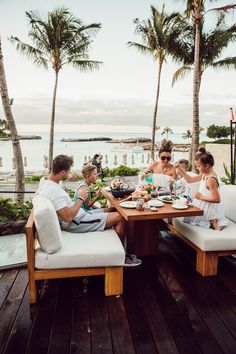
166, 308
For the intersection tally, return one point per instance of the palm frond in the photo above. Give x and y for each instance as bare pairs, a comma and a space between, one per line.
180, 74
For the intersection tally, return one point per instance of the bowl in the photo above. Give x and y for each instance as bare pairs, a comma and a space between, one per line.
121, 193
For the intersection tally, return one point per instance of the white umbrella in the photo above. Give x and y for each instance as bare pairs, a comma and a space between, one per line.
13, 163
45, 161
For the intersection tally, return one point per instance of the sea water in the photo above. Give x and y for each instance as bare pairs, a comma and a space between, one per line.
34, 150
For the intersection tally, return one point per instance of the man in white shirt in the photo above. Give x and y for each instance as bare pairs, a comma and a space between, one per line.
71, 216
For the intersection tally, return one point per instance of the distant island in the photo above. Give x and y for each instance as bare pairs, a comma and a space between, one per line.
23, 137
73, 140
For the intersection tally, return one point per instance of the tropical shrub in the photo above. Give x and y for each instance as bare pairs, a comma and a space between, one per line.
227, 179
121, 170
11, 211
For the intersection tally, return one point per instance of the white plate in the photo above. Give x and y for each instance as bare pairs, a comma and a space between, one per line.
180, 207
155, 203
162, 198
129, 204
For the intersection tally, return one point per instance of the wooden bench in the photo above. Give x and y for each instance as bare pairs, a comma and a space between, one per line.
93, 253
208, 243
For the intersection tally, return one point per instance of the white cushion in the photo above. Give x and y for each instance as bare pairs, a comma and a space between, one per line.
47, 224
228, 198
208, 239
91, 249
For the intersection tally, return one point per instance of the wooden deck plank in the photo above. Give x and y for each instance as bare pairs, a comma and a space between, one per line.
139, 324
162, 337
41, 331
199, 330
7, 278
60, 338
100, 329
18, 339
180, 331
121, 336
80, 324
196, 289
11, 307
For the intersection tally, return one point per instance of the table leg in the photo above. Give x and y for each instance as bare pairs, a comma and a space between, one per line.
143, 237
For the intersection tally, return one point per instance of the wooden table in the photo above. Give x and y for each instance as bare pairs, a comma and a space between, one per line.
144, 226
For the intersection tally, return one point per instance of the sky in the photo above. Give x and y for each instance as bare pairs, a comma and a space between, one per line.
122, 92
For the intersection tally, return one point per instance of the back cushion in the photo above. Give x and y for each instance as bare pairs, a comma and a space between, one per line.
47, 225
228, 198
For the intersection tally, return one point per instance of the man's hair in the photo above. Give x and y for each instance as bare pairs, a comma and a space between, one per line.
88, 169
61, 163
184, 162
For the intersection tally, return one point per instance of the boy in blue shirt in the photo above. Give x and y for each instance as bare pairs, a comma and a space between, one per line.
89, 173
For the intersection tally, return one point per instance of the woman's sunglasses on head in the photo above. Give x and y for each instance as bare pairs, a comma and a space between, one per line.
163, 158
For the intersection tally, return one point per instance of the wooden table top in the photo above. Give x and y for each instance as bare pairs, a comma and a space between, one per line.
167, 211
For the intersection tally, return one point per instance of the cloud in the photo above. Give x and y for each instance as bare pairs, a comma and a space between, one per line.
130, 112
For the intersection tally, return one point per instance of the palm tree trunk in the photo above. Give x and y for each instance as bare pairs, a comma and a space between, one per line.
196, 86
155, 109
51, 142
20, 183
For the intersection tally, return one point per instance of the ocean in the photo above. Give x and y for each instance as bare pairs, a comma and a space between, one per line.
34, 150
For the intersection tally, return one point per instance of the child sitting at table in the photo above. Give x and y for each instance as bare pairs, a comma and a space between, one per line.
89, 173
208, 196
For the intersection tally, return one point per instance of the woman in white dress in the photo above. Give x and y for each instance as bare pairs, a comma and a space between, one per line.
208, 196
163, 172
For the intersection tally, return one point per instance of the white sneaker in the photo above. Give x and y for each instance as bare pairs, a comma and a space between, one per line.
131, 260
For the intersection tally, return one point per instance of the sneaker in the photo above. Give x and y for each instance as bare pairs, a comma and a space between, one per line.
131, 260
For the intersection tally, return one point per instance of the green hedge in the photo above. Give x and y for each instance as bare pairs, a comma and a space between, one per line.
121, 170
11, 211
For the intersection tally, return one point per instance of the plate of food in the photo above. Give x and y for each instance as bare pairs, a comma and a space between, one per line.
167, 198
155, 203
128, 204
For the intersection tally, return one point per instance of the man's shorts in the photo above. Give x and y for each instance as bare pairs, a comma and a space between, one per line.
94, 220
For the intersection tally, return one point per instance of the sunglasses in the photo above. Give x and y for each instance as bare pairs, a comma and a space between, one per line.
163, 158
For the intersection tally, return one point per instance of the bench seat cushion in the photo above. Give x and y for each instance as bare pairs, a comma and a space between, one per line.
208, 239
92, 249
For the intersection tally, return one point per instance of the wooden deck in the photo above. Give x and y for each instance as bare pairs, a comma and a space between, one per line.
166, 308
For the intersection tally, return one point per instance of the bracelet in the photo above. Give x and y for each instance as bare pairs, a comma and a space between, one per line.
81, 198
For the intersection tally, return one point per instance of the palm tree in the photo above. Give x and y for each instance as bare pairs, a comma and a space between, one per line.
187, 135
196, 10
159, 36
20, 184
167, 131
59, 40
